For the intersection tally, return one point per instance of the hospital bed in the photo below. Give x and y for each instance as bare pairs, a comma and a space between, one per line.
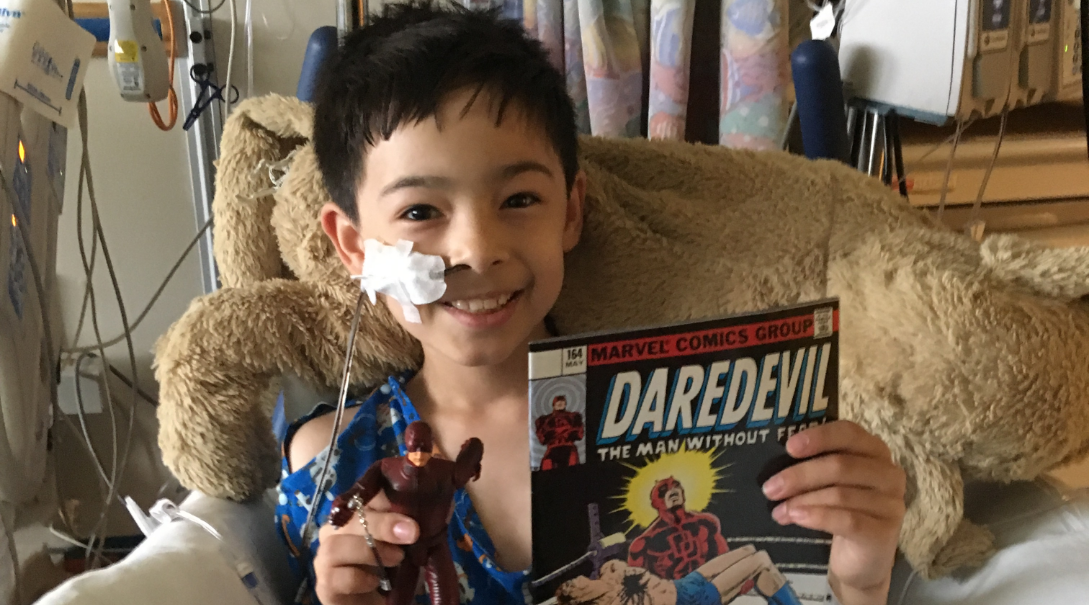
222, 552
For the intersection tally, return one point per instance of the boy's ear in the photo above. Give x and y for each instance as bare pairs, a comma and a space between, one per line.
344, 234
572, 229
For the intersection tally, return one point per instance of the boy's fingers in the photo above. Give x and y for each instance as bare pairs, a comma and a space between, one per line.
844, 470
327, 598
349, 580
379, 502
847, 498
349, 549
843, 522
383, 527
838, 436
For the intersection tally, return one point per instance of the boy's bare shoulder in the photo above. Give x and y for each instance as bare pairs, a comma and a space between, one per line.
313, 437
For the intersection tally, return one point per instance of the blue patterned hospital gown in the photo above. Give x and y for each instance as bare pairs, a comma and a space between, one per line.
376, 431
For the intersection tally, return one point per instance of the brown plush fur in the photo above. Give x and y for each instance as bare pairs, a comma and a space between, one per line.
970, 361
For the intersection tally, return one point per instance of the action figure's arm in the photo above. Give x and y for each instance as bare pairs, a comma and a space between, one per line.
467, 466
580, 429
720, 542
636, 552
541, 428
372, 482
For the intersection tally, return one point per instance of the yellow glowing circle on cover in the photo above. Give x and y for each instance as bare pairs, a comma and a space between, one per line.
22, 152
694, 470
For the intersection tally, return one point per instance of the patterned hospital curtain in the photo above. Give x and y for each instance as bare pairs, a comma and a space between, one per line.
670, 53
613, 66
573, 68
754, 66
628, 64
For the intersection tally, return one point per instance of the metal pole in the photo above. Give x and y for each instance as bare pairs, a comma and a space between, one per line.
203, 137
871, 153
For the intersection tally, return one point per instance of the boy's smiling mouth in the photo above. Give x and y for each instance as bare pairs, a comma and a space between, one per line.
484, 304
485, 311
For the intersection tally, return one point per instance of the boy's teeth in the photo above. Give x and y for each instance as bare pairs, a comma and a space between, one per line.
480, 305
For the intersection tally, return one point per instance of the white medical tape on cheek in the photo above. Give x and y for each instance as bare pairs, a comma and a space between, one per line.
410, 278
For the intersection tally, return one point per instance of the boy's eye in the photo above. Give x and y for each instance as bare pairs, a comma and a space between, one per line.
420, 212
521, 200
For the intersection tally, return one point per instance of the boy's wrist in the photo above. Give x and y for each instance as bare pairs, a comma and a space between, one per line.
845, 594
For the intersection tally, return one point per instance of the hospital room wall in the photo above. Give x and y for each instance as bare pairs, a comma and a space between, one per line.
142, 183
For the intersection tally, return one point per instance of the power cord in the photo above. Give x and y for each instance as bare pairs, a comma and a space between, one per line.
205, 11
97, 223
976, 225
230, 58
172, 96
961, 127
154, 297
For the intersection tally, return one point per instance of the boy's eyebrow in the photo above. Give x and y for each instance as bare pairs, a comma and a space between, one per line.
427, 182
512, 170
438, 182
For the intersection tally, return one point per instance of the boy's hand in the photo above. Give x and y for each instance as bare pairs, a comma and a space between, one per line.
853, 490
344, 564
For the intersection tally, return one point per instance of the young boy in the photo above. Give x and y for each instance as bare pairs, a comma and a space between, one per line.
450, 129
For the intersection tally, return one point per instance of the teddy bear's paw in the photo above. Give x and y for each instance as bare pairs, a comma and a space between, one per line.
970, 546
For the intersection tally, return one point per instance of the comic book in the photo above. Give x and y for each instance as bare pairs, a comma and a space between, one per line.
649, 448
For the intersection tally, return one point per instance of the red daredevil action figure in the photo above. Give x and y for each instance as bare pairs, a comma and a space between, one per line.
559, 431
679, 541
420, 487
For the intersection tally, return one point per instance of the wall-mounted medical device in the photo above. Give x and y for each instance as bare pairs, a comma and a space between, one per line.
32, 157
937, 60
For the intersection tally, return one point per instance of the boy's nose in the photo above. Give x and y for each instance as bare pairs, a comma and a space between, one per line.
479, 242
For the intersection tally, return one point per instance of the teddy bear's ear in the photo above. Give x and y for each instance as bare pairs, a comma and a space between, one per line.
296, 221
257, 141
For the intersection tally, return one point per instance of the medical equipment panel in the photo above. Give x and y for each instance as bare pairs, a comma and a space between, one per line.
32, 151
937, 60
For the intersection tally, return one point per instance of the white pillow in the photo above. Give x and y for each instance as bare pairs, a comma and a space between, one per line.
1042, 533
181, 563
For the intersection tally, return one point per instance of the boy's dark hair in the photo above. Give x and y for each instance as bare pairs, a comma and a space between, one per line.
400, 67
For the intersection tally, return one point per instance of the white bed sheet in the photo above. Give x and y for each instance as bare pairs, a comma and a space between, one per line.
1042, 531
183, 564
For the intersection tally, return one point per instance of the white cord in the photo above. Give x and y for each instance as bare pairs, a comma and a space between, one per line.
230, 60
65, 537
83, 424
154, 297
975, 225
949, 168
949, 139
118, 471
248, 18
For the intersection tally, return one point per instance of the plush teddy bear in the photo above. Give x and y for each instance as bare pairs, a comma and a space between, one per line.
970, 360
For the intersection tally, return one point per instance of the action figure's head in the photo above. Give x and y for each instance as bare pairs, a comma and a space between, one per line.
667, 494
559, 403
418, 443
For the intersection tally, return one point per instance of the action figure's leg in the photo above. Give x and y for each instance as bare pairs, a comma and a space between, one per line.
405, 581
573, 459
547, 461
442, 578
773, 585
738, 577
722, 562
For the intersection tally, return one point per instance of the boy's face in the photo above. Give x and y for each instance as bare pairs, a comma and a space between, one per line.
492, 202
